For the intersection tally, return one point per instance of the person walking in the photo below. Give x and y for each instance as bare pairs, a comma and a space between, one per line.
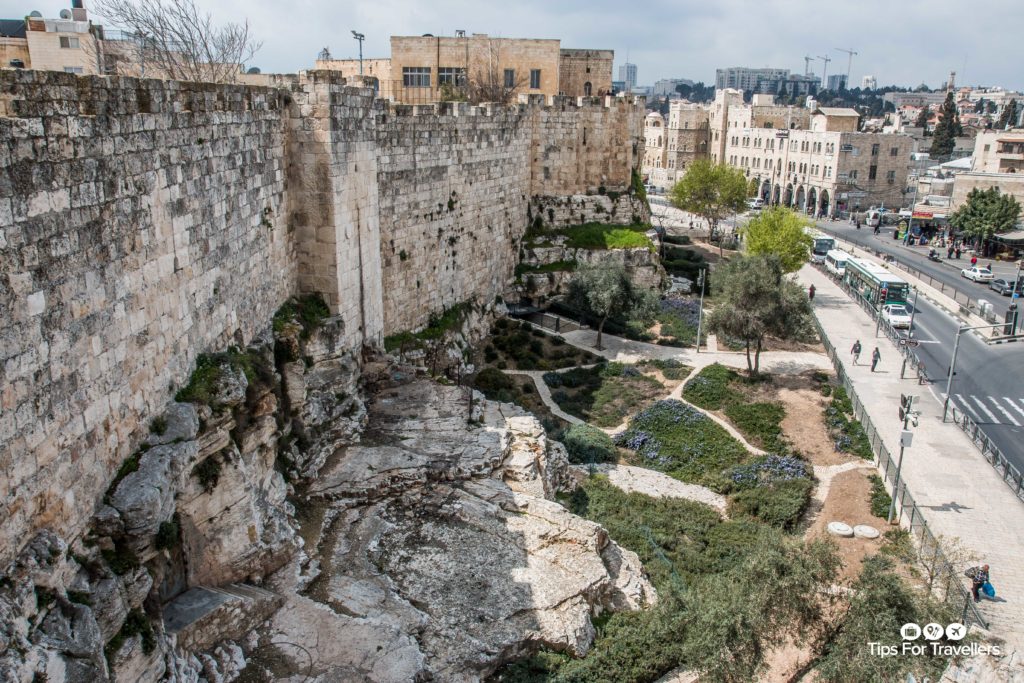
979, 577
810, 292
875, 357
855, 351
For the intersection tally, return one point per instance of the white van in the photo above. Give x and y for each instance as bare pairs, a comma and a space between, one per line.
873, 219
835, 261
755, 204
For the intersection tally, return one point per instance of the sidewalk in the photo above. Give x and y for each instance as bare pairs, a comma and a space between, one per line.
961, 495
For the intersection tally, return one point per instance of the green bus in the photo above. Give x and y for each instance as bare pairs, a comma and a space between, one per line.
869, 280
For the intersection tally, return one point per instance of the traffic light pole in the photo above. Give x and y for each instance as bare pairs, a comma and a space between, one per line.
899, 468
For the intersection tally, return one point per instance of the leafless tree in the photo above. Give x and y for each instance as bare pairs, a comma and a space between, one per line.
174, 39
490, 80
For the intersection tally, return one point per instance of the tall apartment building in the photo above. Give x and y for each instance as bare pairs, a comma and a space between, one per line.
627, 74
837, 82
745, 79
868, 83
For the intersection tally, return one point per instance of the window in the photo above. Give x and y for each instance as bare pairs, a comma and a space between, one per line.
451, 75
872, 172
986, 146
874, 149
68, 42
510, 78
416, 76
894, 152
73, 70
535, 79
890, 177
853, 175
587, 87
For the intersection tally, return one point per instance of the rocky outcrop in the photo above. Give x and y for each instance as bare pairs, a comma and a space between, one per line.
413, 537
643, 265
439, 548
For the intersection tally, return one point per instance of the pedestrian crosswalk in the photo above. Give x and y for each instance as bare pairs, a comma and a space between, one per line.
990, 409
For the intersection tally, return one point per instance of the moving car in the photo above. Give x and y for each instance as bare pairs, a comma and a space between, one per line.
1005, 287
977, 274
755, 204
896, 315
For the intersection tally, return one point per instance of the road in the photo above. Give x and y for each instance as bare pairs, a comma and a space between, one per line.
987, 384
917, 257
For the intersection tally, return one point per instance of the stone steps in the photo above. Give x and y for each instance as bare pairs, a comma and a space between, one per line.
204, 615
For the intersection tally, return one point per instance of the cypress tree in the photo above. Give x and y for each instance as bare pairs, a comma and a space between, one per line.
922, 119
947, 129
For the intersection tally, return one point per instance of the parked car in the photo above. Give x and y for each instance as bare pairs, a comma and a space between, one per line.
755, 204
977, 274
896, 315
1005, 287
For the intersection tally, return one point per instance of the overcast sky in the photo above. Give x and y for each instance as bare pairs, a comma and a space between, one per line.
902, 42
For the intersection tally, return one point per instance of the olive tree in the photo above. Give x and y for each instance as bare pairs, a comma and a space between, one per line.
756, 300
604, 290
711, 191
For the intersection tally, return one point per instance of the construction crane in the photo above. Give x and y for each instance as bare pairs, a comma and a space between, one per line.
849, 62
824, 71
807, 64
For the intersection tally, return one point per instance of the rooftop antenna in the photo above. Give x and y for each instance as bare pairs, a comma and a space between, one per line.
849, 62
324, 55
359, 36
824, 71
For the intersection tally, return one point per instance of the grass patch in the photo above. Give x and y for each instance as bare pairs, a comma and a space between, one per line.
780, 504
121, 559
879, 499
671, 368
717, 387
309, 311
438, 325
202, 385
135, 624
672, 437
603, 395
597, 236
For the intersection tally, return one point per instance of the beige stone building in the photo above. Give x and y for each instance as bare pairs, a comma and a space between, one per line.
66, 44
998, 161
816, 161
426, 69
670, 145
585, 72
827, 169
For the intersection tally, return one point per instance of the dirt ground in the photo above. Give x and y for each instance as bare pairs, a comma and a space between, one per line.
847, 501
802, 399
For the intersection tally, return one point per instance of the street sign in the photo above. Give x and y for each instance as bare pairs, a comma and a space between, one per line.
911, 343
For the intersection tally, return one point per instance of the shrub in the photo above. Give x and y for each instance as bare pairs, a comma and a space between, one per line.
676, 239
760, 423
780, 504
309, 311
587, 444
710, 388
208, 473
880, 500
168, 535
158, 426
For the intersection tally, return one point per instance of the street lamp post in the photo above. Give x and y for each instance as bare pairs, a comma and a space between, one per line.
359, 36
952, 362
700, 312
913, 311
910, 223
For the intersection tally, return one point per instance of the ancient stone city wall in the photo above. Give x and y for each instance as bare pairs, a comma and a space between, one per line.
145, 222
